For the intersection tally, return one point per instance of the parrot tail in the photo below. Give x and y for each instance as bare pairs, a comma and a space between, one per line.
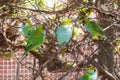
24, 55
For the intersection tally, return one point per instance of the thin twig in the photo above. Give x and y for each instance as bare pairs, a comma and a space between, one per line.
109, 26
17, 70
71, 69
33, 69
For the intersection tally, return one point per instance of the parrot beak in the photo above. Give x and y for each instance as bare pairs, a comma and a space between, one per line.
95, 69
83, 22
44, 27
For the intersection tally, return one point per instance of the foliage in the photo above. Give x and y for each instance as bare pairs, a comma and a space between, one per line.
41, 12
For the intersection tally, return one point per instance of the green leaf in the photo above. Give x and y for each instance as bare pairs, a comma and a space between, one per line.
117, 39
77, 31
63, 51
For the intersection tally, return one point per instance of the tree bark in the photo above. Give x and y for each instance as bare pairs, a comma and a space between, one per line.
106, 54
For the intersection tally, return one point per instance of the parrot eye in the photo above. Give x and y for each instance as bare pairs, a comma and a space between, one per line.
24, 21
83, 22
44, 27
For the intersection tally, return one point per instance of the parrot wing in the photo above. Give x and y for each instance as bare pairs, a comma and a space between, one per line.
30, 30
97, 28
89, 28
86, 76
36, 39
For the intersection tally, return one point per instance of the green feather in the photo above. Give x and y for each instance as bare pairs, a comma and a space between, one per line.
66, 21
91, 74
86, 77
94, 29
64, 32
36, 40
27, 28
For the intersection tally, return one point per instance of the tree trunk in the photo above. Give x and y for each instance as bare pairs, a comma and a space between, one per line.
106, 54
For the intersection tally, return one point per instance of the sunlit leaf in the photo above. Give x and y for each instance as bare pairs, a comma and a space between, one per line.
7, 55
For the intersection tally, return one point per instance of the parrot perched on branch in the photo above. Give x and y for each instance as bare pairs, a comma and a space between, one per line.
94, 29
27, 28
36, 39
91, 74
64, 32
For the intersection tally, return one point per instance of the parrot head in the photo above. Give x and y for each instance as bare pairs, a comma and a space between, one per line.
29, 22
85, 21
91, 70
26, 21
66, 21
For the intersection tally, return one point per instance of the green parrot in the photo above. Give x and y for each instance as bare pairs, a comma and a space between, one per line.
64, 32
94, 29
36, 39
27, 28
91, 74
